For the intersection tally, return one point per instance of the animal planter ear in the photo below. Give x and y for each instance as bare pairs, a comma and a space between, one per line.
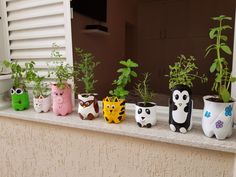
113, 111
20, 99
180, 109
88, 106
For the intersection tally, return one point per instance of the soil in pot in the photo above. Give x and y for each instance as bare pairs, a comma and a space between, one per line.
145, 114
113, 110
19, 99
61, 100
88, 106
180, 109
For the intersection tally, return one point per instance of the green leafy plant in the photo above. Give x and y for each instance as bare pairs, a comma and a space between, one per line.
142, 89
18, 73
126, 73
86, 69
63, 71
223, 76
183, 72
39, 87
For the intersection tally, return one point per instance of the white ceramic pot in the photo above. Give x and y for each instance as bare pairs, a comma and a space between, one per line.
42, 104
217, 118
88, 106
145, 115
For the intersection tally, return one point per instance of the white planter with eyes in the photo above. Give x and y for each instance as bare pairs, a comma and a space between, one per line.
42, 104
145, 115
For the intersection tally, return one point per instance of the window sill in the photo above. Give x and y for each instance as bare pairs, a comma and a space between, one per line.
159, 133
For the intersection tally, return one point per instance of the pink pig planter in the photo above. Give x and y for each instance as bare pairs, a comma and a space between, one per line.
61, 100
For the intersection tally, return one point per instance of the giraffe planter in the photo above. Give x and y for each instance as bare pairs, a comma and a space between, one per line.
88, 106
217, 118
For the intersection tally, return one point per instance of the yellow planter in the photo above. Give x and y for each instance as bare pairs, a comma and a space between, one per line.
113, 110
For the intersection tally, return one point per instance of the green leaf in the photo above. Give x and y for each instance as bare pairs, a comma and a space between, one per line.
212, 34
213, 67
134, 74
225, 95
226, 49
224, 38
232, 79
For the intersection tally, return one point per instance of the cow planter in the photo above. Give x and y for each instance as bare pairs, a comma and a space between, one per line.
42, 104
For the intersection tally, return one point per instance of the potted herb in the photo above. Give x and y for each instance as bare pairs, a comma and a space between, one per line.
145, 111
181, 77
61, 90
218, 110
19, 93
114, 105
88, 101
41, 91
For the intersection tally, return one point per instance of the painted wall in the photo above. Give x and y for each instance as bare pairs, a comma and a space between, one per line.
108, 49
33, 149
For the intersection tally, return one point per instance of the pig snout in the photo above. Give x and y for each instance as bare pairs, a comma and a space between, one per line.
59, 99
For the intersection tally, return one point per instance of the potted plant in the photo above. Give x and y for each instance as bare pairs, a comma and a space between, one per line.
145, 111
61, 90
114, 105
41, 91
19, 93
218, 110
181, 77
87, 101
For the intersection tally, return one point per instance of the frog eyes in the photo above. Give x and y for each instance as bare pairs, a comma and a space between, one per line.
17, 91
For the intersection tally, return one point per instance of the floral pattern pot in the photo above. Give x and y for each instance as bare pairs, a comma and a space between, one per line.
19, 99
61, 100
180, 109
113, 110
217, 118
42, 104
145, 115
88, 106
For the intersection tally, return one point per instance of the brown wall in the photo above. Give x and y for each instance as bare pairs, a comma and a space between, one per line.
108, 49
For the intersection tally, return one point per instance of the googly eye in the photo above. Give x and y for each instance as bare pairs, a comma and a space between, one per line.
19, 91
139, 111
148, 111
185, 97
176, 97
12, 91
113, 106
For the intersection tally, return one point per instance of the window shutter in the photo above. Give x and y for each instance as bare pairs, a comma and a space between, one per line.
32, 26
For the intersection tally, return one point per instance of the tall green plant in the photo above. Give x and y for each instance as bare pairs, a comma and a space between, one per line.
142, 89
86, 68
184, 72
223, 76
126, 73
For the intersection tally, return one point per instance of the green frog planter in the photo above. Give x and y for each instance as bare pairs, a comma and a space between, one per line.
19, 99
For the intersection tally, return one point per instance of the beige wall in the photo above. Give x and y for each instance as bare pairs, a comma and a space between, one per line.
39, 150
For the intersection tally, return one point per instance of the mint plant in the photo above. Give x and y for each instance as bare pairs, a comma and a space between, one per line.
142, 89
223, 76
126, 73
183, 72
86, 68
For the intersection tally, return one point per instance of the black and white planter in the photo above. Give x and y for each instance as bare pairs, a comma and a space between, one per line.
180, 109
217, 118
88, 108
145, 115
42, 104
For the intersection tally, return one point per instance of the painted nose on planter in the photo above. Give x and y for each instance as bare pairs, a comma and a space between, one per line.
59, 99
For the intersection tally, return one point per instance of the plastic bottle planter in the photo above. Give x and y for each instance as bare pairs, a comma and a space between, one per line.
61, 100
180, 109
88, 106
19, 99
113, 110
145, 115
42, 104
217, 118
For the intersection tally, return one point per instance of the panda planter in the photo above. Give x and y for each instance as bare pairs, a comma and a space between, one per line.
88, 106
113, 110
61, 100
217, 118
145, 115
42, 104
180, 109
19, 99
